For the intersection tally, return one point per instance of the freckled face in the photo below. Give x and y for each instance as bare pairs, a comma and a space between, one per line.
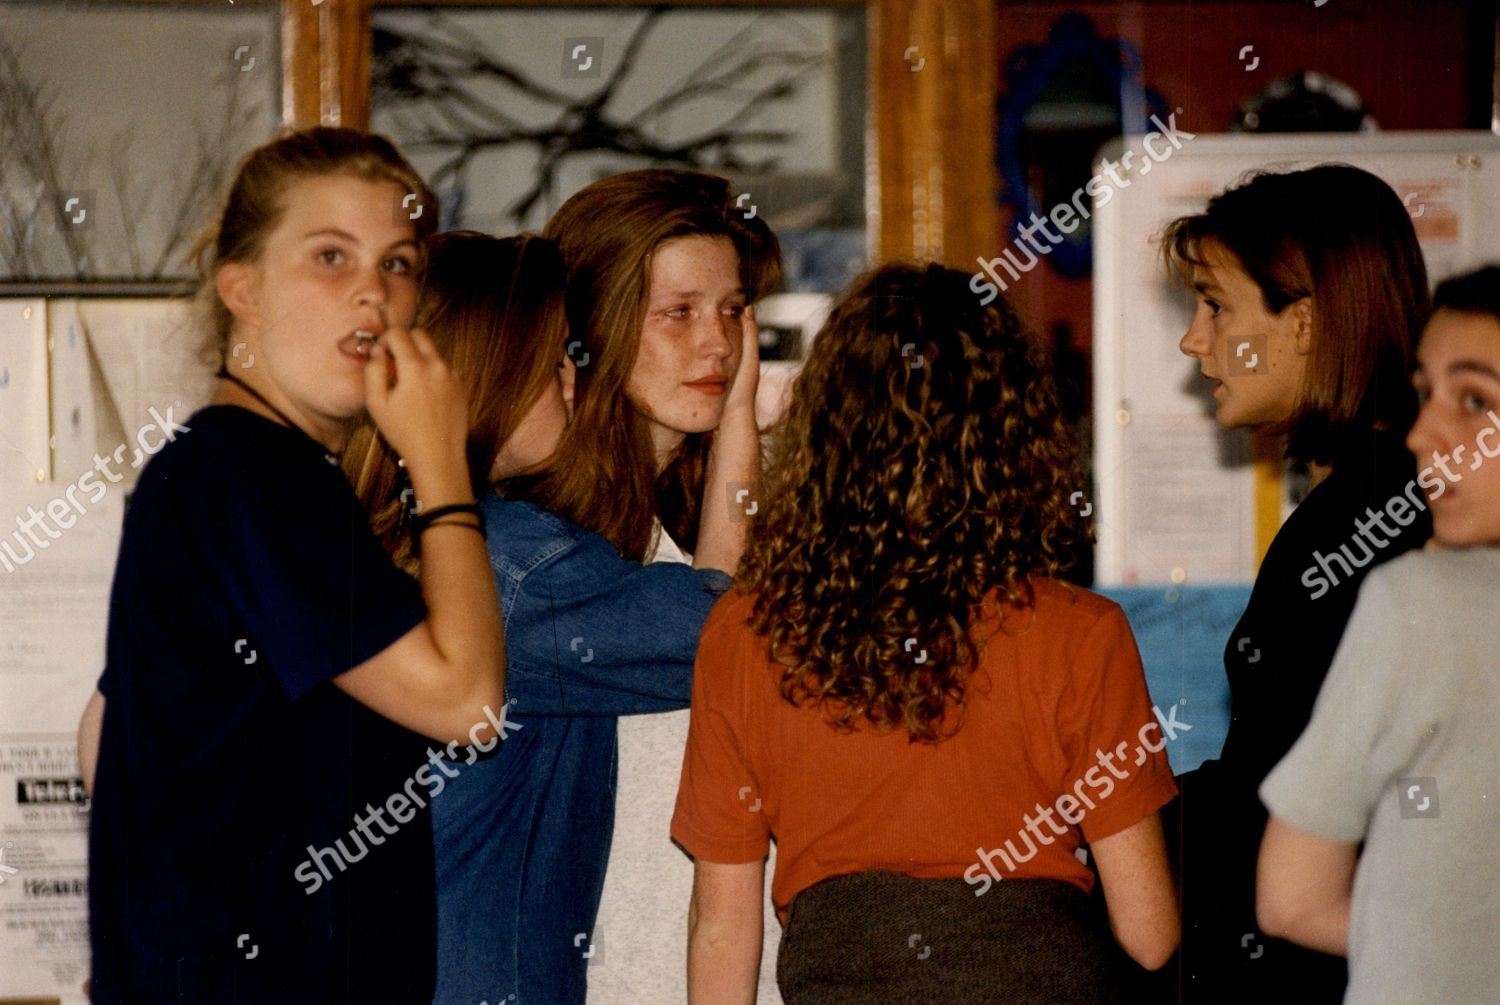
691, 340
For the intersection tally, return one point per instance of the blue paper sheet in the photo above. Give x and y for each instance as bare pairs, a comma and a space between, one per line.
1181, 632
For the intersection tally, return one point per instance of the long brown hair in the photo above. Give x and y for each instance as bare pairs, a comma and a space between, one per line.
494, 309
253, 205
1341, 236
608, 233
922, 463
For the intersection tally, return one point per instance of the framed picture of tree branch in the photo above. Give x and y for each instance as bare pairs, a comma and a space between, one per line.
508, 111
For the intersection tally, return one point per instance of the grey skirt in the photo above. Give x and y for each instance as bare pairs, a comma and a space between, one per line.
892, 939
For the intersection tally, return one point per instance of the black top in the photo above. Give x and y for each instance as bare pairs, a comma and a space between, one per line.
247, 579
1276, 660
1302, 599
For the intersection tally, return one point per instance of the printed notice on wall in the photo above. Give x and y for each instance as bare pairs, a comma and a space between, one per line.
43, 866
53, 619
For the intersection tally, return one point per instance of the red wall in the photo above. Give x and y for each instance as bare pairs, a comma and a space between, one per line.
1407, 60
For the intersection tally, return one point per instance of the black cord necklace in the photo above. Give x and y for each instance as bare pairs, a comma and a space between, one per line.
332, 456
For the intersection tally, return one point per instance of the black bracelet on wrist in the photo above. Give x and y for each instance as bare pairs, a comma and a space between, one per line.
455, 523
429, 515
422, 520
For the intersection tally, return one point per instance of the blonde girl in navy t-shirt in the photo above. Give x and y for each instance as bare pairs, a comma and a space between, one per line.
274, 685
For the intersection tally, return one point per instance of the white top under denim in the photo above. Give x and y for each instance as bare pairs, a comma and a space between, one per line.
643, 914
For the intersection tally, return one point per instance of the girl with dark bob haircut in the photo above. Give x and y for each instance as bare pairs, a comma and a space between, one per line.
1310, 294
1339, 237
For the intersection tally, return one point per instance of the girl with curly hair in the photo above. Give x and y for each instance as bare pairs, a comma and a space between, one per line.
901, 691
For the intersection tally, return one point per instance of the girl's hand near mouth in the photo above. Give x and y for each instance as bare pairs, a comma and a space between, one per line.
420, 408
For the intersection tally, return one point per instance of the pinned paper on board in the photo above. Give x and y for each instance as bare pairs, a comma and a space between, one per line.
25, 458
55, 579
141, 355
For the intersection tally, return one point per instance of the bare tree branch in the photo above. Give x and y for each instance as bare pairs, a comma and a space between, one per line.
32, 132
208, 173
433, 83
130, 212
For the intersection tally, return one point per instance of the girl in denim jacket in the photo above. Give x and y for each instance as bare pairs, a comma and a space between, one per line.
522, 835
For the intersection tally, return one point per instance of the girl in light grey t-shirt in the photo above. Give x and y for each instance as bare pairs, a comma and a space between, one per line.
1401, 752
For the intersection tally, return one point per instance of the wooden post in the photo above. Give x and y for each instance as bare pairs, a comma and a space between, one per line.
325, 46
1495, 90
933, 79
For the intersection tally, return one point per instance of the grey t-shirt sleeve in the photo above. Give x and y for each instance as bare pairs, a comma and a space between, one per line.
1364, 728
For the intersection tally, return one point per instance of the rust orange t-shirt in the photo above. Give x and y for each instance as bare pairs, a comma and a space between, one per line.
1059, 746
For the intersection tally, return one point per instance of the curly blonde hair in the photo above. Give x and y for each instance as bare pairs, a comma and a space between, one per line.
921, 470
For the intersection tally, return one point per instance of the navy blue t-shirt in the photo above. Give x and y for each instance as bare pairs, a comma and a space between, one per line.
247, 580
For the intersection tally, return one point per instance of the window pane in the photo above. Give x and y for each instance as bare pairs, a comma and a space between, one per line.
121, 126
508, 111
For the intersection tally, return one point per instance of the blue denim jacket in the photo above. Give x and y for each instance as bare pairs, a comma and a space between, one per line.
522, 837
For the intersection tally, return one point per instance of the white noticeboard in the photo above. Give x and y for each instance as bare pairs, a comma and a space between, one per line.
1175, 496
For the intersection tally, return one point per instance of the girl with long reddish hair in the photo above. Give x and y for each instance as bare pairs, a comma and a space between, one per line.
660, 265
